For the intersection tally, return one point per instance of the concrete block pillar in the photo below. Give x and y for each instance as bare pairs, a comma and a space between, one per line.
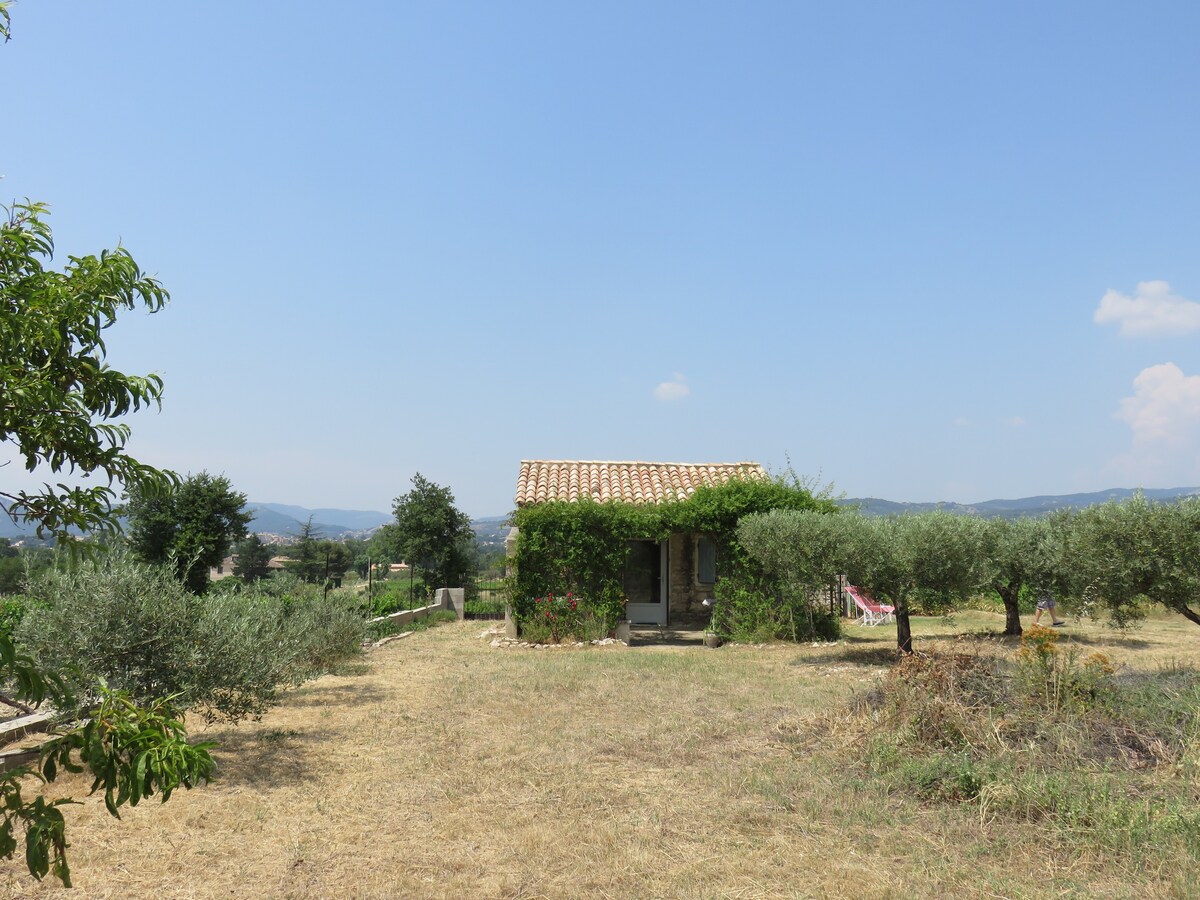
456, 600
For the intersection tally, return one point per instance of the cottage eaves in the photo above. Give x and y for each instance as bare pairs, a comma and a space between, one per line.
542, 481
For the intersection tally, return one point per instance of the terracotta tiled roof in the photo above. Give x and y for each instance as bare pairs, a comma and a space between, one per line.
631, 482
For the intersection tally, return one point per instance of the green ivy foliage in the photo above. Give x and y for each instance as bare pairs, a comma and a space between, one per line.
578, 548
582, 547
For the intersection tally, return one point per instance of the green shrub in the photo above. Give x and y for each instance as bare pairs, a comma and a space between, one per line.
324, 631
393, 596
12, 611
230, 584
1056, 678
225, 655
484, 607
931, 603
990, 601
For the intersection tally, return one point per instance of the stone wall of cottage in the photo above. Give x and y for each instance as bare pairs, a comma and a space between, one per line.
687, 593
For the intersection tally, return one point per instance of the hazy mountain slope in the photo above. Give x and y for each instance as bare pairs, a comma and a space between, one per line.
347, 519
1013, 509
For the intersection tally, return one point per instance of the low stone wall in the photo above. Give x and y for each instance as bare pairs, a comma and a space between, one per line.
14, 730
443, 598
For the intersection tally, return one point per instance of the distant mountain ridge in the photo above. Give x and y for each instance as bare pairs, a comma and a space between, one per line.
1015, 509
287, 520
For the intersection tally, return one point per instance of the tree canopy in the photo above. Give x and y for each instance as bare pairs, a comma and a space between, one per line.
1019, 554
894, 557
193, 525
433, 535
1121, 554
252, 559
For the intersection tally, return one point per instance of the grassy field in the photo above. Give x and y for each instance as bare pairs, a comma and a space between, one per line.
439, 767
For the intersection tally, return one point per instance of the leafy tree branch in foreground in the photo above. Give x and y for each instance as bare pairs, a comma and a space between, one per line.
58, 403
58, 396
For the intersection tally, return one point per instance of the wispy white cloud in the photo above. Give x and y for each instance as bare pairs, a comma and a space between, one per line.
1153, 311
960, 422
675, 389
1015, 421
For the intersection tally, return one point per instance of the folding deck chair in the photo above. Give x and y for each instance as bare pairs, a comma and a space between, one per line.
872, 613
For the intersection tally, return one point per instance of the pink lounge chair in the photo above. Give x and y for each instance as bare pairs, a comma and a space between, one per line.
872, 613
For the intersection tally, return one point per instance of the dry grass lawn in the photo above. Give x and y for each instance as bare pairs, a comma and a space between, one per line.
439, 767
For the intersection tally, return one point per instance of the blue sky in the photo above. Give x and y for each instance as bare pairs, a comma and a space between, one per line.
928, 251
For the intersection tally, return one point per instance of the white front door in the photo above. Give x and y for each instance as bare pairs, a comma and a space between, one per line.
646, 582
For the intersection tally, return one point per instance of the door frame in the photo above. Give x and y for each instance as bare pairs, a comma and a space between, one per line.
655, 613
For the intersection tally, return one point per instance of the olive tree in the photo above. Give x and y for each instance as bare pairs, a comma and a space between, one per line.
936, 552
892, 557
1019, 553
801, 552
224, 656
1120, 555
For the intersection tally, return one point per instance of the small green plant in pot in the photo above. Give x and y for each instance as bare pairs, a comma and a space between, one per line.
712, 637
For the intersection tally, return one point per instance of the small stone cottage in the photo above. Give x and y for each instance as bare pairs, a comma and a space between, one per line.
666, 582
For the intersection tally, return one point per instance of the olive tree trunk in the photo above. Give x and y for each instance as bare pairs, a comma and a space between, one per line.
1010, 594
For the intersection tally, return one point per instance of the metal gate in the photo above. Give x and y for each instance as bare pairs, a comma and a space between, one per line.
486, 599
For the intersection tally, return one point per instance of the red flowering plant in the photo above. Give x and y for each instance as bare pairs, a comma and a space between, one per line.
555, 618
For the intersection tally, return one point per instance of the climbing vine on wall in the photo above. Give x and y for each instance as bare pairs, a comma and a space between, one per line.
582, 547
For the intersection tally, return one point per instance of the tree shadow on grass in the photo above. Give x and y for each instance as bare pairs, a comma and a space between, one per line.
1129, 643
353, 669
325, 695
265, 757
257, 754
870, 655
1067, 635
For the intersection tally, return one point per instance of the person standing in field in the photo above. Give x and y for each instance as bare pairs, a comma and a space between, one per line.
1045, 603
